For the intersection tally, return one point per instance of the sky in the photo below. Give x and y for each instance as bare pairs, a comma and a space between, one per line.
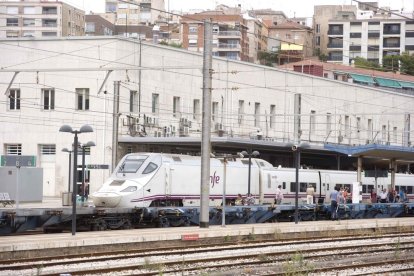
299, 8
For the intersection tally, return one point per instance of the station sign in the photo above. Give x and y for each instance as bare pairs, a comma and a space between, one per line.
18, 161
97, 167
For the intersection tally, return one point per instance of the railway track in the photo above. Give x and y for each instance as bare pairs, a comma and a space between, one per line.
247, 256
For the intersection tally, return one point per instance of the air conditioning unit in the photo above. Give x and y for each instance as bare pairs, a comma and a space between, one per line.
218, 127
173, 130
340, 138
367, 141
155, 121
138, 128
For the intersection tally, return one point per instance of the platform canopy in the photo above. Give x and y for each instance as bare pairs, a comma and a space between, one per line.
374, 150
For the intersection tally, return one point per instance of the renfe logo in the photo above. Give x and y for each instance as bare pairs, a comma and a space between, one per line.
214, 179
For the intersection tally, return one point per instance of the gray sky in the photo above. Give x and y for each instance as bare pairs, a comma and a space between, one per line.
300, 8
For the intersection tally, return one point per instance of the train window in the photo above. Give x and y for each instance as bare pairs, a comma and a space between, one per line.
176, 158
150, 168
245, 162
370, 188
409, 189
347, 186
303, 186
293, 186
284, 185
313, 185
132, 163
364, 189
131, 166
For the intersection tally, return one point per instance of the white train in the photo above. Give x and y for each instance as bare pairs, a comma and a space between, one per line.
157, 179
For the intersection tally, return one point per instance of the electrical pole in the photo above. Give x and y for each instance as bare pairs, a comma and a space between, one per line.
115, 124
206, 126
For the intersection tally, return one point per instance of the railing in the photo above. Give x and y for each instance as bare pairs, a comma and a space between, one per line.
335, 58
229, 46
335, 32
392, 32
335, 45
229, 33
391, 45
49, 25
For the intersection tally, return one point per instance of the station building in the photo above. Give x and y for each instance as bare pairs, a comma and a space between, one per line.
50, 82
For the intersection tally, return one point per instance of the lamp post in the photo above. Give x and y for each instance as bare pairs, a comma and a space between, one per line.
84, 146
297, 149
250, 154
83, 129
70, 165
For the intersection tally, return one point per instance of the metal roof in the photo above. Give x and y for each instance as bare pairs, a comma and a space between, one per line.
374, 150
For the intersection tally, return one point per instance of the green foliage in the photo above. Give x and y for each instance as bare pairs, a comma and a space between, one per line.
297, 266
391, 63
171, 44
323, 57
407, 64
364, 63
267, 58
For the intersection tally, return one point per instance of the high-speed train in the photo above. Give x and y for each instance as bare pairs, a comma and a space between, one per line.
158, 179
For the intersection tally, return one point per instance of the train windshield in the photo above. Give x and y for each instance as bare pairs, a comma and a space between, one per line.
132, 164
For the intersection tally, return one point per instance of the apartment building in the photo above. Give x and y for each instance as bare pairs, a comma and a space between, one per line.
40, 19
293, 41
142, 12
371, 38
257, 33
229, 34
321, 16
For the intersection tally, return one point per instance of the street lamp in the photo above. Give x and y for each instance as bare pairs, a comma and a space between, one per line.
297, 149
250, 154
83, 129
84, 146
70, 164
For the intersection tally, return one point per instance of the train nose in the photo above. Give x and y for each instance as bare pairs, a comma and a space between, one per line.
109, 200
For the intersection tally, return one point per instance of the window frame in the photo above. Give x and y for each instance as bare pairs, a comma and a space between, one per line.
82, 97
14, 102
50, 99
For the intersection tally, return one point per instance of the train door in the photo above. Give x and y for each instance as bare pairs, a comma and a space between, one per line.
168, 179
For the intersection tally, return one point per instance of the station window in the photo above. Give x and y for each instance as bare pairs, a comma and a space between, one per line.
14, 149
82, 98
47, 149
48, 96
14, 99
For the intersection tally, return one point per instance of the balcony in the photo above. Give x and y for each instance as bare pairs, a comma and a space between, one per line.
229, 34
391, 45
373, 35
392, 29
373, 48
355, 48
229, 47
335, 58
49, 10
335, 32
335, 45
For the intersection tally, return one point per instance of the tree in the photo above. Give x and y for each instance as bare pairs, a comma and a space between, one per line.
267, 58
407, 63
361, 62
391, 63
